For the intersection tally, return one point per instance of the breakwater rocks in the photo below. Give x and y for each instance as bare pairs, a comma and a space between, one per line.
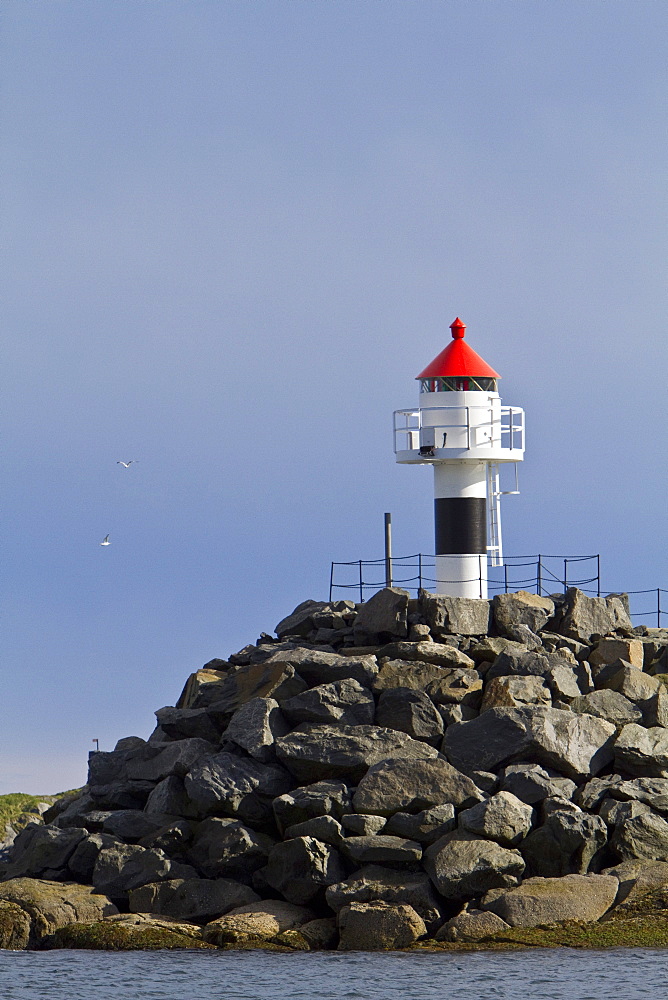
429, 772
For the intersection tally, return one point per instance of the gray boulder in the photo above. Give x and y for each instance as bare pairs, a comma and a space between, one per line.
317, 667
374, 882
345, 752
124, 866
248, 925
643, 836
568, 842
454, 615
503, 818
462, 866
82, 861
608, 705
642, 752
169, 798
426, 826
532, 784
379, 926
411, 712
426, 651
323, 798
382, 617
362, 824
472, 925
381, 849
301, 868
256, 725
195, 900
521, 608
400, 785
456, 687
584, 617
132, 825
240, 787
413, 674
513, 692
540, 901
43, 851
227, 848
346, 702
324, 828
300, 622
575, 745
187, 723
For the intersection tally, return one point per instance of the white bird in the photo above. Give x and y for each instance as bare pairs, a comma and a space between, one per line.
126, 465
106, 541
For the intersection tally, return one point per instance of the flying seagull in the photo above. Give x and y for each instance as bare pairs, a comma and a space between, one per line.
126, 465
106, 541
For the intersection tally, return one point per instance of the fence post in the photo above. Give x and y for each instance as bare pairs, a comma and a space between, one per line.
505, 577
565, 575
658, 607
331, 581
598, 573
420, 570
539, 578
361, 584
388, 550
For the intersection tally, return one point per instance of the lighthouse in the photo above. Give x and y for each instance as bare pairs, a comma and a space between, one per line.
461, 428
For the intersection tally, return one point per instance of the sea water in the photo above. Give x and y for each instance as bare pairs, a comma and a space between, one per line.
555, 974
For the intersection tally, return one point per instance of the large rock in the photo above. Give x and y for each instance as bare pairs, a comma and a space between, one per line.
426, 827
503, 818
472, 925
225, 847
533, 784
268, 679
551, 900
521, 608
375, 883
194, 900
413, 674
255, 726
324, 828
609, 650
610, 705
568, 842
169, 798
575, 745
187, 723
382, 617
256, 922
316, 667
379, 926
300, 622
399, 785
50, 905
643, 836
344, 752
462, 866
44, 851
584, 617
642, 752
458, 686
14, 927
411, 712
455, 615
346, 702
125, 866
514, 692
426, 651
239, 787
322, 798
301, 868
381, 849
635, 685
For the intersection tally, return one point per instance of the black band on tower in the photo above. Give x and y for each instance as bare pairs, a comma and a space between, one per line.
460, 525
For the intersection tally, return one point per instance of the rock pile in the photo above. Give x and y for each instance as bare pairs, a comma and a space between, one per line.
374, 775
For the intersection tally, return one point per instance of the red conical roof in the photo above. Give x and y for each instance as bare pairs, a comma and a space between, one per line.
458, 359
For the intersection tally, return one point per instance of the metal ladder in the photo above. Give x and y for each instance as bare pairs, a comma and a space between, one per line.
494, 541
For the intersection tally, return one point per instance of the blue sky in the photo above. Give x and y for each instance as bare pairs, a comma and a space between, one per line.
234, 233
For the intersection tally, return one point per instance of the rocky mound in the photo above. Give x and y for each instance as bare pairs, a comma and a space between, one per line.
373, 775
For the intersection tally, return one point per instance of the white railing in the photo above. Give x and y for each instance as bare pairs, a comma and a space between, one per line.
508, 433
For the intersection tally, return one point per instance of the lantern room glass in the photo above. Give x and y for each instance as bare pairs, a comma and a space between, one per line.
458, 384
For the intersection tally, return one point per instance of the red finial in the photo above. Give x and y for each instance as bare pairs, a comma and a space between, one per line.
458, 329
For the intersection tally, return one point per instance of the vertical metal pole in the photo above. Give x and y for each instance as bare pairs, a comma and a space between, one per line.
598, 574
505, 577
331, 582
565, 575
420, 569
361, 584
658, 607
480, 558
388, 550
539, 578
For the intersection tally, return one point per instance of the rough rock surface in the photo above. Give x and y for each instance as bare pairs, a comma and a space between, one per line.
379, 926
550, 900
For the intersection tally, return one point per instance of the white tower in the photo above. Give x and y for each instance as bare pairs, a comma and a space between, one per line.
462, 430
